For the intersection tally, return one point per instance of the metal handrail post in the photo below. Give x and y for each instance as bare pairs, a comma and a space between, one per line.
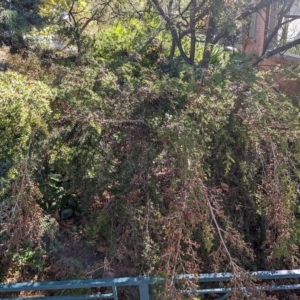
223, 297
114, 291
144, 289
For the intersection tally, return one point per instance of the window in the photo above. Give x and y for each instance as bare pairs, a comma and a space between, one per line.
253, 26
292, 30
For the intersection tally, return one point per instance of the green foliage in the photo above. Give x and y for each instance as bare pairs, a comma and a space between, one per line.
16, 19
29, 258
118, 40
122, 39
172, 174
25, 106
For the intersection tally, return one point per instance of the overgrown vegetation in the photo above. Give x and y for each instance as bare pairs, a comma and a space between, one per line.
178, 164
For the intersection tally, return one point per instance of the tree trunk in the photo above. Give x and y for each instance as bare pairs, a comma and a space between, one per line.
175, 37
193, 31
207, 48
172, 51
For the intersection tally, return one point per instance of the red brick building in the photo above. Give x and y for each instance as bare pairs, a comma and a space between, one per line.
255, 41
262, 25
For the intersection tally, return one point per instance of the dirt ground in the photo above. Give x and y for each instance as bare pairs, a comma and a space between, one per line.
74, 258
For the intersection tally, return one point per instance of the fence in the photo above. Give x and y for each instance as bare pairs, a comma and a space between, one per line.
143, 283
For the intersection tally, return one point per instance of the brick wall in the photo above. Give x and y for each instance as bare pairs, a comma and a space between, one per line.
286, 82
256, 44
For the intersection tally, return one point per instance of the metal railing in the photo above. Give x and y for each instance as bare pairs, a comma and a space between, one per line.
143, 283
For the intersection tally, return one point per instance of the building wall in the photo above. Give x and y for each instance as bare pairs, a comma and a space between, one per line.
286, 82
294, 26
255, 44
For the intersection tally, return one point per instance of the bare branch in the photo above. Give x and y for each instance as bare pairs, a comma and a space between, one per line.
71, 13
285, 8
198, 18
131, 4
173, 30
242, 15
122, 122
277, 51
170, 6
250, 10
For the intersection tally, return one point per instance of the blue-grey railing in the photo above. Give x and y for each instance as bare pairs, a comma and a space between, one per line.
143, 283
